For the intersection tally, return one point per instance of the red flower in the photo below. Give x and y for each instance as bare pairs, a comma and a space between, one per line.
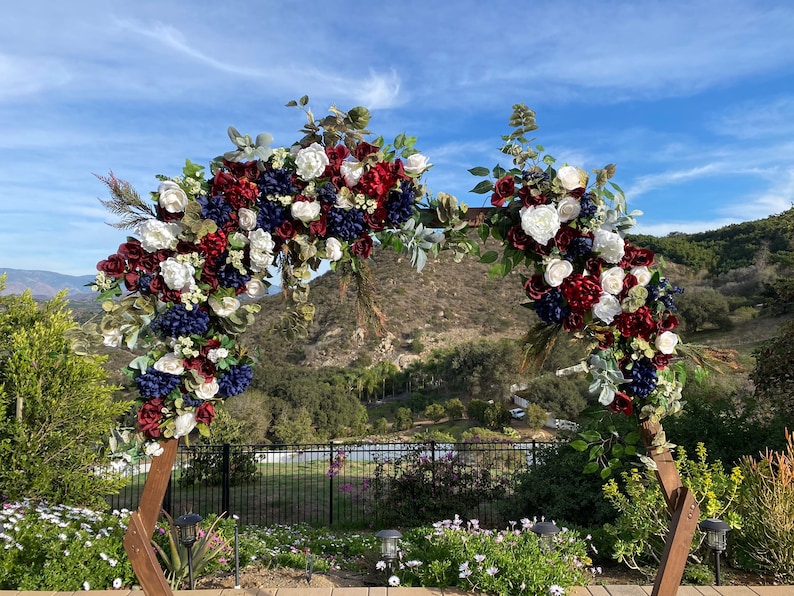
150, 416
535, 287
497, 201
581, 292
318, 227
113, 266
564, 236
530, 200
378, 181
362, 247
363, 149
621, 403
636, 257
668, 323
505, 187
636, 324
243, 169
594, 266
202, 366
376, 220
660, 361
132, 252
518, 238
573, 322
286, 230
205, 413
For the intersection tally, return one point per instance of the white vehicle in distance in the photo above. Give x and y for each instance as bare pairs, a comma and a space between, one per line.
517, 413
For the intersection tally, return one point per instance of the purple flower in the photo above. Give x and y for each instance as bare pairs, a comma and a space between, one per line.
235, 381
177, 321
154, 383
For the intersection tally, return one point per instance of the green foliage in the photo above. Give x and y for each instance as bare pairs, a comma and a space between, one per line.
555, 488
475, 409
56, 408
510, 561
380, 426
766, 538
493, 415
403, 419
415, 488
61, 548
435, 412
210, 546
455, 409
774, 382
642, 526
562, 396
702, 309
294, 426
535, 416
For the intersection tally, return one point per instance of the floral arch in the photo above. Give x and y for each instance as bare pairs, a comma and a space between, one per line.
208, 244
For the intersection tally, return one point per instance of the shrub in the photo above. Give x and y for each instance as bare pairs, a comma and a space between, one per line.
455, 409
403, 419
435, 412
641, 529
415, 488
766, 538
380, 426
535, 416
475, 410
510, 561
61, 548
562, 396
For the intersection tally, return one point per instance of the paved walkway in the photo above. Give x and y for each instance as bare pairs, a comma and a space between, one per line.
589, 591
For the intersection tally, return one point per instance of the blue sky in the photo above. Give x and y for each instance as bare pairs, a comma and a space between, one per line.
693, 100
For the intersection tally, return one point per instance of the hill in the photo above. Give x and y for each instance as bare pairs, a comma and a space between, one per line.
46, 284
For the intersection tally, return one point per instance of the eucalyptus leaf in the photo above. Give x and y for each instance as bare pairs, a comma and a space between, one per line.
483, 187
479, 171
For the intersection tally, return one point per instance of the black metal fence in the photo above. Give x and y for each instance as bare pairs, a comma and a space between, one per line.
339, 485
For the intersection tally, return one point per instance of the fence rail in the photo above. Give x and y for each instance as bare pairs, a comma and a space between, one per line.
338, 485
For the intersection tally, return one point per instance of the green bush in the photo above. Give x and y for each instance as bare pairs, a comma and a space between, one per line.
509, 562
435, 412
642, 526
61, 548
455, 409
403, 419
766, 539
380, 426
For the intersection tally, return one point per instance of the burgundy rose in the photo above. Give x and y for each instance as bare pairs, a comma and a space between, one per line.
131, 281
564, 236
518, 238
497, 201
202, 366
243, 169
660, 361
319, 227
530, 200
535, 287
336, 155
376, 220
132, 252
668, 323
363, 149
594, 266
362, 247
378, 181
222, 182
505, 187
113, 266
150, 416
634, 256
205, 413
573, 322
212, 344
286, 231
621, 403
581, 292
639, 323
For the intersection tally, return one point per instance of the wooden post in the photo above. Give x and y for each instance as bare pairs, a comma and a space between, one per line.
137, 540
685, 514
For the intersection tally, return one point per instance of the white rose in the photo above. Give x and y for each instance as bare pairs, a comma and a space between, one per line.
333, 249
541, 222
247, 218
569, 177
178, 276
153, 449
643, 275
217, 354
556, 271
609, 245
255, 288
171, 364
666, 342
113, 338
172, 198
183, 424
607, 308
207, 390
225, 306
568, 209
612, 280
311, 162
157, 235
416, 164
351, 171
260, 260
261, 240
306, 211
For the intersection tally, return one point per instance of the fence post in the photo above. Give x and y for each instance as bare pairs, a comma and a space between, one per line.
225, 478
330, 483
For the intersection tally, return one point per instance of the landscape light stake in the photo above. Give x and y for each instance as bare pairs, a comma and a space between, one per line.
187, 526
388, 546
716, 532
546, 532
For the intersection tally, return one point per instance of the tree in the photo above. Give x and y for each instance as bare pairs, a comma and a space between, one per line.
772, 375
56, 408
536, 416
703, 308
435, 412
455, 409
403, 419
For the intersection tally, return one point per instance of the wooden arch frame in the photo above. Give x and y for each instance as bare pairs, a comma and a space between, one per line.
683, 508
